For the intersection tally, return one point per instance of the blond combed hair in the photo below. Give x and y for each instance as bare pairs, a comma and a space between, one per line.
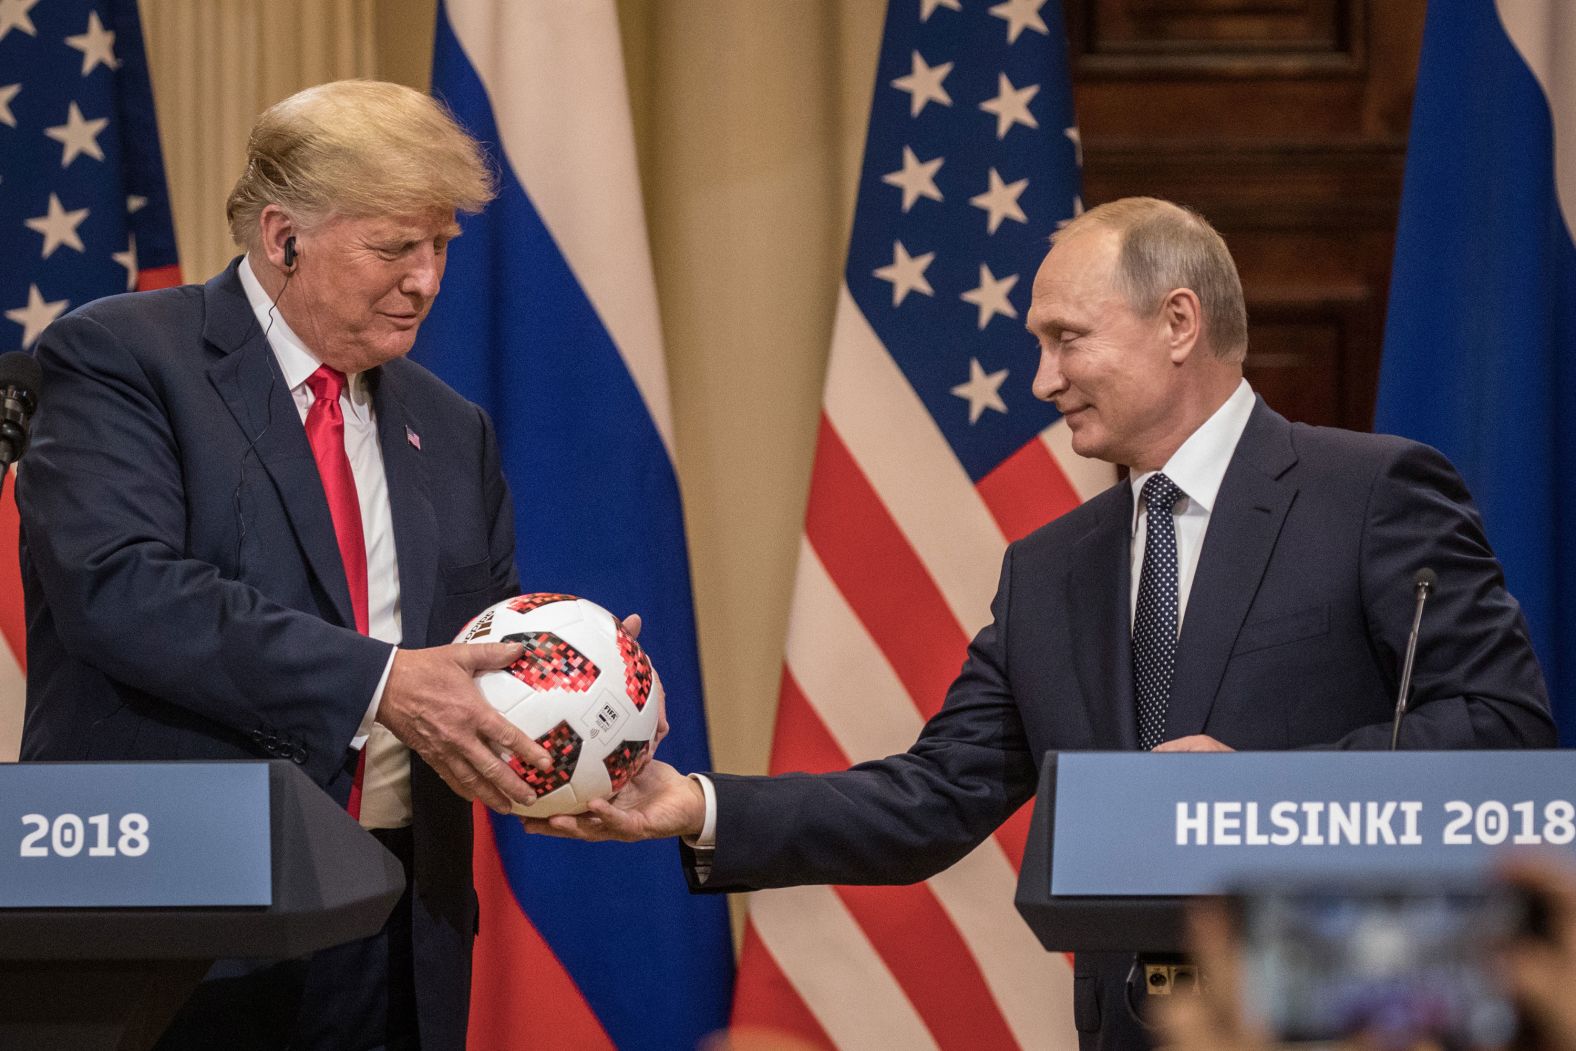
357, 148
1167, 246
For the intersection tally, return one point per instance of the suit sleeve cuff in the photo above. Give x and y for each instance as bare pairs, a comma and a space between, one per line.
365, 729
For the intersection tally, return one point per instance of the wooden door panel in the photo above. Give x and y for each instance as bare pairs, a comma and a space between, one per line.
1284, 122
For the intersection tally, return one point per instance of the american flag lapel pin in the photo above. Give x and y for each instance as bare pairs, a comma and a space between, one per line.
412, 437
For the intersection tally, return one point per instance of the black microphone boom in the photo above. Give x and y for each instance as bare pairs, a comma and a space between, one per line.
1423, 582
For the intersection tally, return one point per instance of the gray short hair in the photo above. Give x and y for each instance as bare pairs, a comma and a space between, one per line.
1167, 246
357, 148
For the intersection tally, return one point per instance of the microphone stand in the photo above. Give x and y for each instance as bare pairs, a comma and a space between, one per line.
1422, 583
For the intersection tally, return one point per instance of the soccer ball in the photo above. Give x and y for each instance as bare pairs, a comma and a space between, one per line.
583, 689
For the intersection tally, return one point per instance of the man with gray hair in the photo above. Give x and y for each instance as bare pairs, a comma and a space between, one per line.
249, 526
1245, 587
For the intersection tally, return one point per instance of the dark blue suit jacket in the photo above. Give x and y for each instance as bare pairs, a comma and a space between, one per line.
1293, 636
185, 595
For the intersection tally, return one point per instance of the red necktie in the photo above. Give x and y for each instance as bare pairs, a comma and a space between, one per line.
325, 431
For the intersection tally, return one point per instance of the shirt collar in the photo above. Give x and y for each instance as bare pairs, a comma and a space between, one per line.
296, 362
1199, 465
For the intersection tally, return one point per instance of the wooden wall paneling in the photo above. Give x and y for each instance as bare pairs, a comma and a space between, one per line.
1220, 37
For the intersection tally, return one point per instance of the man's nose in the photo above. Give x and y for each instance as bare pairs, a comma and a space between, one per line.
423, 276
1048, 378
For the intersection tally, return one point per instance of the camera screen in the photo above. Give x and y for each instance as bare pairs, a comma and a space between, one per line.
1326, 964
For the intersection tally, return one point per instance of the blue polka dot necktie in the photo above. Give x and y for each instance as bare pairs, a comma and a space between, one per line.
1155, 619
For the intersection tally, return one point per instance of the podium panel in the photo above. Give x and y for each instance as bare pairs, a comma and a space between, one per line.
111, 977
116, 835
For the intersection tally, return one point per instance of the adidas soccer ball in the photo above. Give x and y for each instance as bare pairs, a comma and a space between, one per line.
583, 689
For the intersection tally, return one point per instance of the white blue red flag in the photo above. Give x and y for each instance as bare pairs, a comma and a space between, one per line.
1480, 346
932, 455
84, 211
548, 319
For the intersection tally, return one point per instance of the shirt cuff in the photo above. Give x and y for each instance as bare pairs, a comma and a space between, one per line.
707, 840
365, 729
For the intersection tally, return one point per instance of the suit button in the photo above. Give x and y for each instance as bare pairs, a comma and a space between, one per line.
298, 756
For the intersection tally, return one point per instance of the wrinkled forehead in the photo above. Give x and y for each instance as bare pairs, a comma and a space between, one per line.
1078, 270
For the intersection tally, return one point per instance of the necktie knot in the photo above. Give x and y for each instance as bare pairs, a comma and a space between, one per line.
327, 384
1160, 491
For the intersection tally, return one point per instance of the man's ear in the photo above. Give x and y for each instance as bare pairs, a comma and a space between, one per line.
1183, 317
278, 240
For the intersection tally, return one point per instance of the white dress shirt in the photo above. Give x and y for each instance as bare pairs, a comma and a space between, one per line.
385, 791
1197, 468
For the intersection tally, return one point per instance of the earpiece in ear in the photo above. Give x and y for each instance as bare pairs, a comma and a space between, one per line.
290, 253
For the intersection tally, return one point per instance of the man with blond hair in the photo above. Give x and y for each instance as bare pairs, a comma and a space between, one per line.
1247, 586
249, 525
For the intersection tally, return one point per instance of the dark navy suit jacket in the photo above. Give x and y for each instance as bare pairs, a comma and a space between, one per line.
185, 595
1293, 636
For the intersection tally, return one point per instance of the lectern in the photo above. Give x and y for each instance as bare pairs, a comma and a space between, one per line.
120, 883
1119, 840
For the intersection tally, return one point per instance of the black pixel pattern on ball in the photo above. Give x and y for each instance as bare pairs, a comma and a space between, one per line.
550, 663
526, 603
625, 761
563, 745
637, 668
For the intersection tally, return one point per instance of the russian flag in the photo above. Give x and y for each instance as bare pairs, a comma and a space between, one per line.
1480, 345
548, 319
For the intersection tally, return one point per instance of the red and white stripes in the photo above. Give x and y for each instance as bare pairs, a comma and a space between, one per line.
896, 571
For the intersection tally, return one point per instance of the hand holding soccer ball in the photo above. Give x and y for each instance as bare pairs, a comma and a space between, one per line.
657, 803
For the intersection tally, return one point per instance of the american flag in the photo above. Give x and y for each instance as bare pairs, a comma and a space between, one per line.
83, 207
932, 455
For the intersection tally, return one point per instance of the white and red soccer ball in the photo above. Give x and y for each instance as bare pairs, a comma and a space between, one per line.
583, 689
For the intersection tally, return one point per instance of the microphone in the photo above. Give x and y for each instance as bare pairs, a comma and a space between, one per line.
1423, 582
20, 378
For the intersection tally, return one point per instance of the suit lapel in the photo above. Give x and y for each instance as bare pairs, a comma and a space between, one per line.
247, 377
415, 522
1098, 613
1243, 526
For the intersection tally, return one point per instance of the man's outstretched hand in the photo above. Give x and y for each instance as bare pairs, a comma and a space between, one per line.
431, 703
658, 802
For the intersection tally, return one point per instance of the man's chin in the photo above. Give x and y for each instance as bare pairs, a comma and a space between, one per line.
398, 348
370, 356
1087, 441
